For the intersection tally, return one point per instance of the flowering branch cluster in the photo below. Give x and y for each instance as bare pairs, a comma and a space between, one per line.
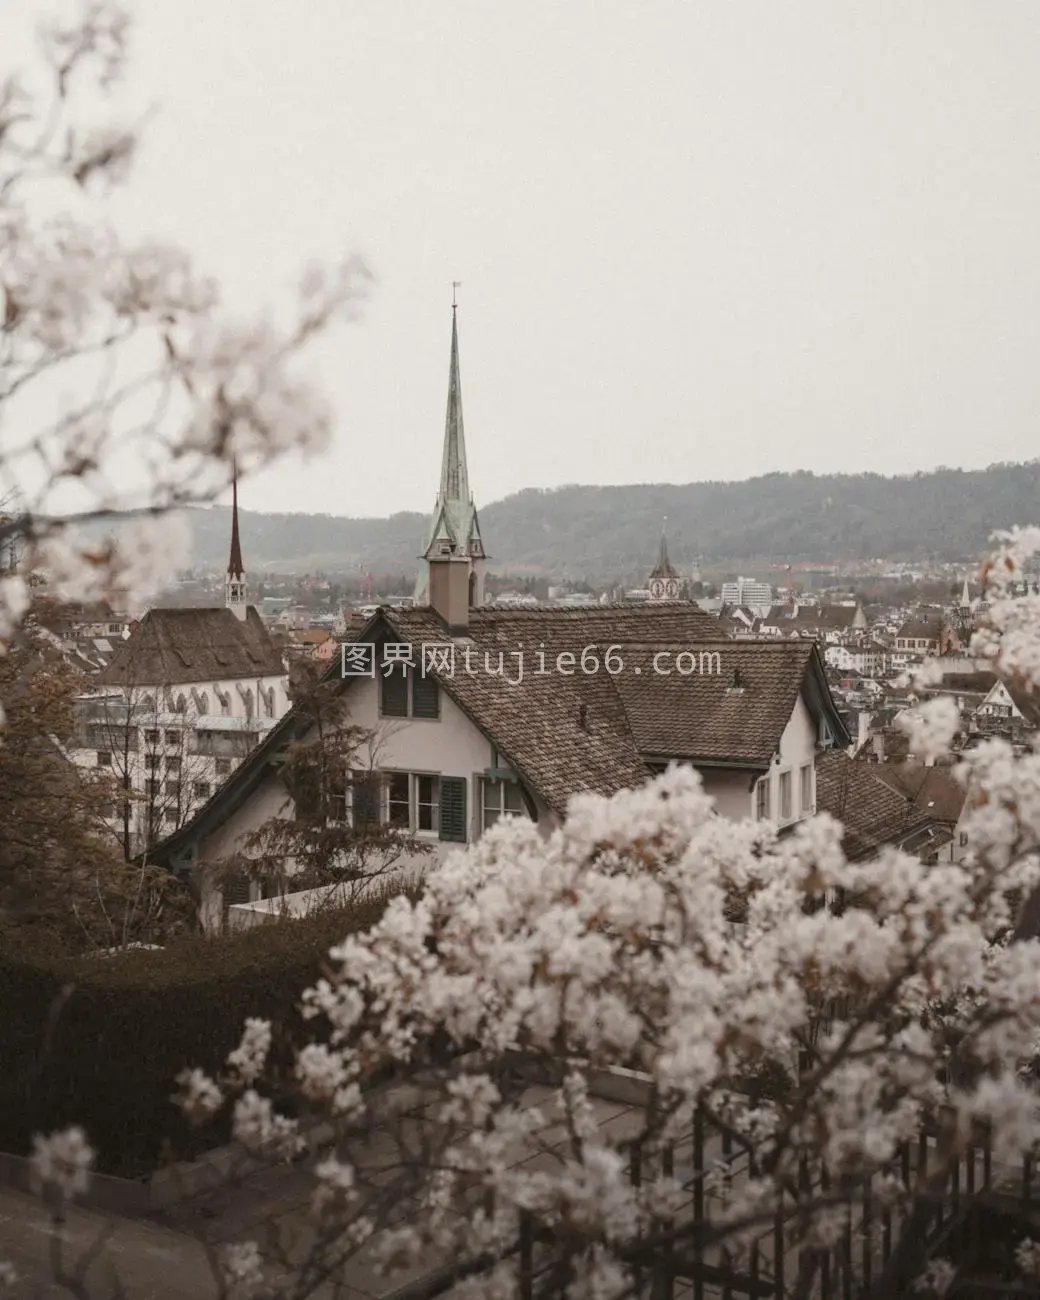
124, 386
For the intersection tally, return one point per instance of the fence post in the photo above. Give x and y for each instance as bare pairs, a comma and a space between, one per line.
526, 1257
698, 1203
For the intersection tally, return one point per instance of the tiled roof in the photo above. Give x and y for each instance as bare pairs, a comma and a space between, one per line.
593, 731
872, 811
923, 628
193, 645
736, 714
566, 734
933, 792
825, 616
579, 625
979, 682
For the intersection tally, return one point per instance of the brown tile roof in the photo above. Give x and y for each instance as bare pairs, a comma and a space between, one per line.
872, 811
713, 716
923, 628
565, 734
631, 621
978, 682
933, 792
831, 617
193, 645
594, 731
309, 636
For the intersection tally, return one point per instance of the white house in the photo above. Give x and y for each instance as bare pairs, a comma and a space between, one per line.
1007, 702
180, 705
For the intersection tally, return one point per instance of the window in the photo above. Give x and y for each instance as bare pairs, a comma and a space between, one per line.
963, 839
366, 799
201, 789
170, 816
225, 704
399, 803
426, 802
426, 701
268, 699
203, 702
173, 765
151, 737
152, 787
411, 801
222, 766
501, 799
104, 758
452, 819
762, 799
151, 761
173, 787
181, 705
404, 694
785, 796
173, 737
806, 794
393, 694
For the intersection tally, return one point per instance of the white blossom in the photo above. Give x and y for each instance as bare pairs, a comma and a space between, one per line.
62, 1161
241, 1266
937, 1278
931, 727
249, 1058
200, 1097
1027, 1257
259, 1129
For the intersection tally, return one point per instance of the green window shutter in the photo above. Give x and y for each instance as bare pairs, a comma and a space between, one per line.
367, 800
235, 888
393, 694
453, 809
425, 697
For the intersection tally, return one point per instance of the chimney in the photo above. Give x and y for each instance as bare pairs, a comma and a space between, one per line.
863, 722
449, 587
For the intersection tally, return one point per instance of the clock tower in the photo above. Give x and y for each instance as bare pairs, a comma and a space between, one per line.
665, 583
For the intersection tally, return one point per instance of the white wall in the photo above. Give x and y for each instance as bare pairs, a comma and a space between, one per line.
446, 746
797, 749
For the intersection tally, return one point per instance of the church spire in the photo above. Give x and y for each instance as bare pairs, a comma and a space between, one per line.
235, 567
454, 529
235, 581
454, 475
665, 583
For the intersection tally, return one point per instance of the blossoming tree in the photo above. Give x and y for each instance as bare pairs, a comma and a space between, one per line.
124, 383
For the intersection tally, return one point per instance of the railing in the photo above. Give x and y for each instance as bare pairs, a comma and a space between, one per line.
212, 745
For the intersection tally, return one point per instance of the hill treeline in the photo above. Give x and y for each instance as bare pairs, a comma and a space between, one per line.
609, 532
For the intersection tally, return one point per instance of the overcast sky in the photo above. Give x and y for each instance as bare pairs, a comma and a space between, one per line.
696, 240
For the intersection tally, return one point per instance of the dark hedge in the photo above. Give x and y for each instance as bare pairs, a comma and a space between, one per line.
99, 1041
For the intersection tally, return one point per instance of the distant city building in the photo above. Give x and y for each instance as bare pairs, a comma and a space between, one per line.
748, 592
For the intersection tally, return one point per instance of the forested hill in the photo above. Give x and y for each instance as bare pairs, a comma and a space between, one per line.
610, 531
